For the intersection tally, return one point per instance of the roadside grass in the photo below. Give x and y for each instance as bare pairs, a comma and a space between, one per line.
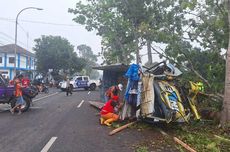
201, 136
142, 149
205, 137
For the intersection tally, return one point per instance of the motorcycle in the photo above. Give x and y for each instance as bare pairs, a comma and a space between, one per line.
40, 88
170, 102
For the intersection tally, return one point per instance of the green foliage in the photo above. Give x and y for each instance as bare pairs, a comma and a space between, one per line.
142, 149
55, 52
194, 32
201, 137
86, 53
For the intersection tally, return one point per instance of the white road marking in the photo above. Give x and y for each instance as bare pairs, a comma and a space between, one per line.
49, 144
46, 96
89, 92
80, 104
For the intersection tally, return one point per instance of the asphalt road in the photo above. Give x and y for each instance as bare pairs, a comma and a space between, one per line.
59, 123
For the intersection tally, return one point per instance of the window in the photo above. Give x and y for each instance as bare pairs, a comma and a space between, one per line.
11, 59
79, 78
0, 59
86, 79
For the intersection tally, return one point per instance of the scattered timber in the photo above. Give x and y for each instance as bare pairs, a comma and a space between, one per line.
183, 144
121, 128
96, 104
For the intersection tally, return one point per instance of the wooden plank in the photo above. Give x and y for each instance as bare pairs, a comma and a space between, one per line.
121, 128
183, 144
96, 104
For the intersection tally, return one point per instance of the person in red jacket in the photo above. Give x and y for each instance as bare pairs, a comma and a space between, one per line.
25, 81
108, 114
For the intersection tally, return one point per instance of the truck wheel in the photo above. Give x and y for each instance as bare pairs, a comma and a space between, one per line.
92, 86
25, 106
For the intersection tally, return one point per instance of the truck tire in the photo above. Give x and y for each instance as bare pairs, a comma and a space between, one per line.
25, 106
92, 86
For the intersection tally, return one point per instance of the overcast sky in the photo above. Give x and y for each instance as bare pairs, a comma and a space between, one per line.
34, 23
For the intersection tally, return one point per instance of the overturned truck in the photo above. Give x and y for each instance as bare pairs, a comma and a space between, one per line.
162, 98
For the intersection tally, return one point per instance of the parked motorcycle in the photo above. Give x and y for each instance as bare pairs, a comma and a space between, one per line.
171, 103
40, 88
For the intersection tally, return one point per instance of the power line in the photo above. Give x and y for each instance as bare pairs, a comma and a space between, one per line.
22, 29
26, 32
12, 39
6, 40
7, 35
39, 22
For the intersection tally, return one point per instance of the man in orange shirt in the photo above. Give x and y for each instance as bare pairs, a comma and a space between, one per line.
113, 91
18, 95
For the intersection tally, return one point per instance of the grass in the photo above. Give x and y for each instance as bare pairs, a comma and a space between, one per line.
201, 137
142, 149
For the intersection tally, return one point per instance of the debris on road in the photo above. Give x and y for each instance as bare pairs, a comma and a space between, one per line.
96, 104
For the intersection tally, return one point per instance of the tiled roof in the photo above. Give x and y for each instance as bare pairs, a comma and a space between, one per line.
9, 48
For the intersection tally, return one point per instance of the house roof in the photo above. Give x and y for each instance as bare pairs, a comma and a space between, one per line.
114, 67
9, 48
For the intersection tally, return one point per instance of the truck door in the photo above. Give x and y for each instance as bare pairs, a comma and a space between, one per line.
85, 81
78, 82
82, 82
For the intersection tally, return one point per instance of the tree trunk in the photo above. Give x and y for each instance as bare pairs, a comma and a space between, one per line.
137, 50
225, 114
150, 60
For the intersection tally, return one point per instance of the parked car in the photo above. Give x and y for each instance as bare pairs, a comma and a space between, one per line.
80, 82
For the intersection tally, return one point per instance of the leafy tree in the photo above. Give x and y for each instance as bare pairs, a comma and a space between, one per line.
55, 52
117, 38
225, 115
86, 53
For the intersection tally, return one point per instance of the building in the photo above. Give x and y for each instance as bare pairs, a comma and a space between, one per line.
25, 61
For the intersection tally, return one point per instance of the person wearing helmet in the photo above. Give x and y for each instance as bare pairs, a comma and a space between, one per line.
113, 91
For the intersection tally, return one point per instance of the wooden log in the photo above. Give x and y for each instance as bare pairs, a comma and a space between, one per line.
96, 104
121, 128
183, 144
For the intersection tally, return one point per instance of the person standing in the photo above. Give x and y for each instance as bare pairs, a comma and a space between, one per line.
113, 91
18, 95
68, 87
